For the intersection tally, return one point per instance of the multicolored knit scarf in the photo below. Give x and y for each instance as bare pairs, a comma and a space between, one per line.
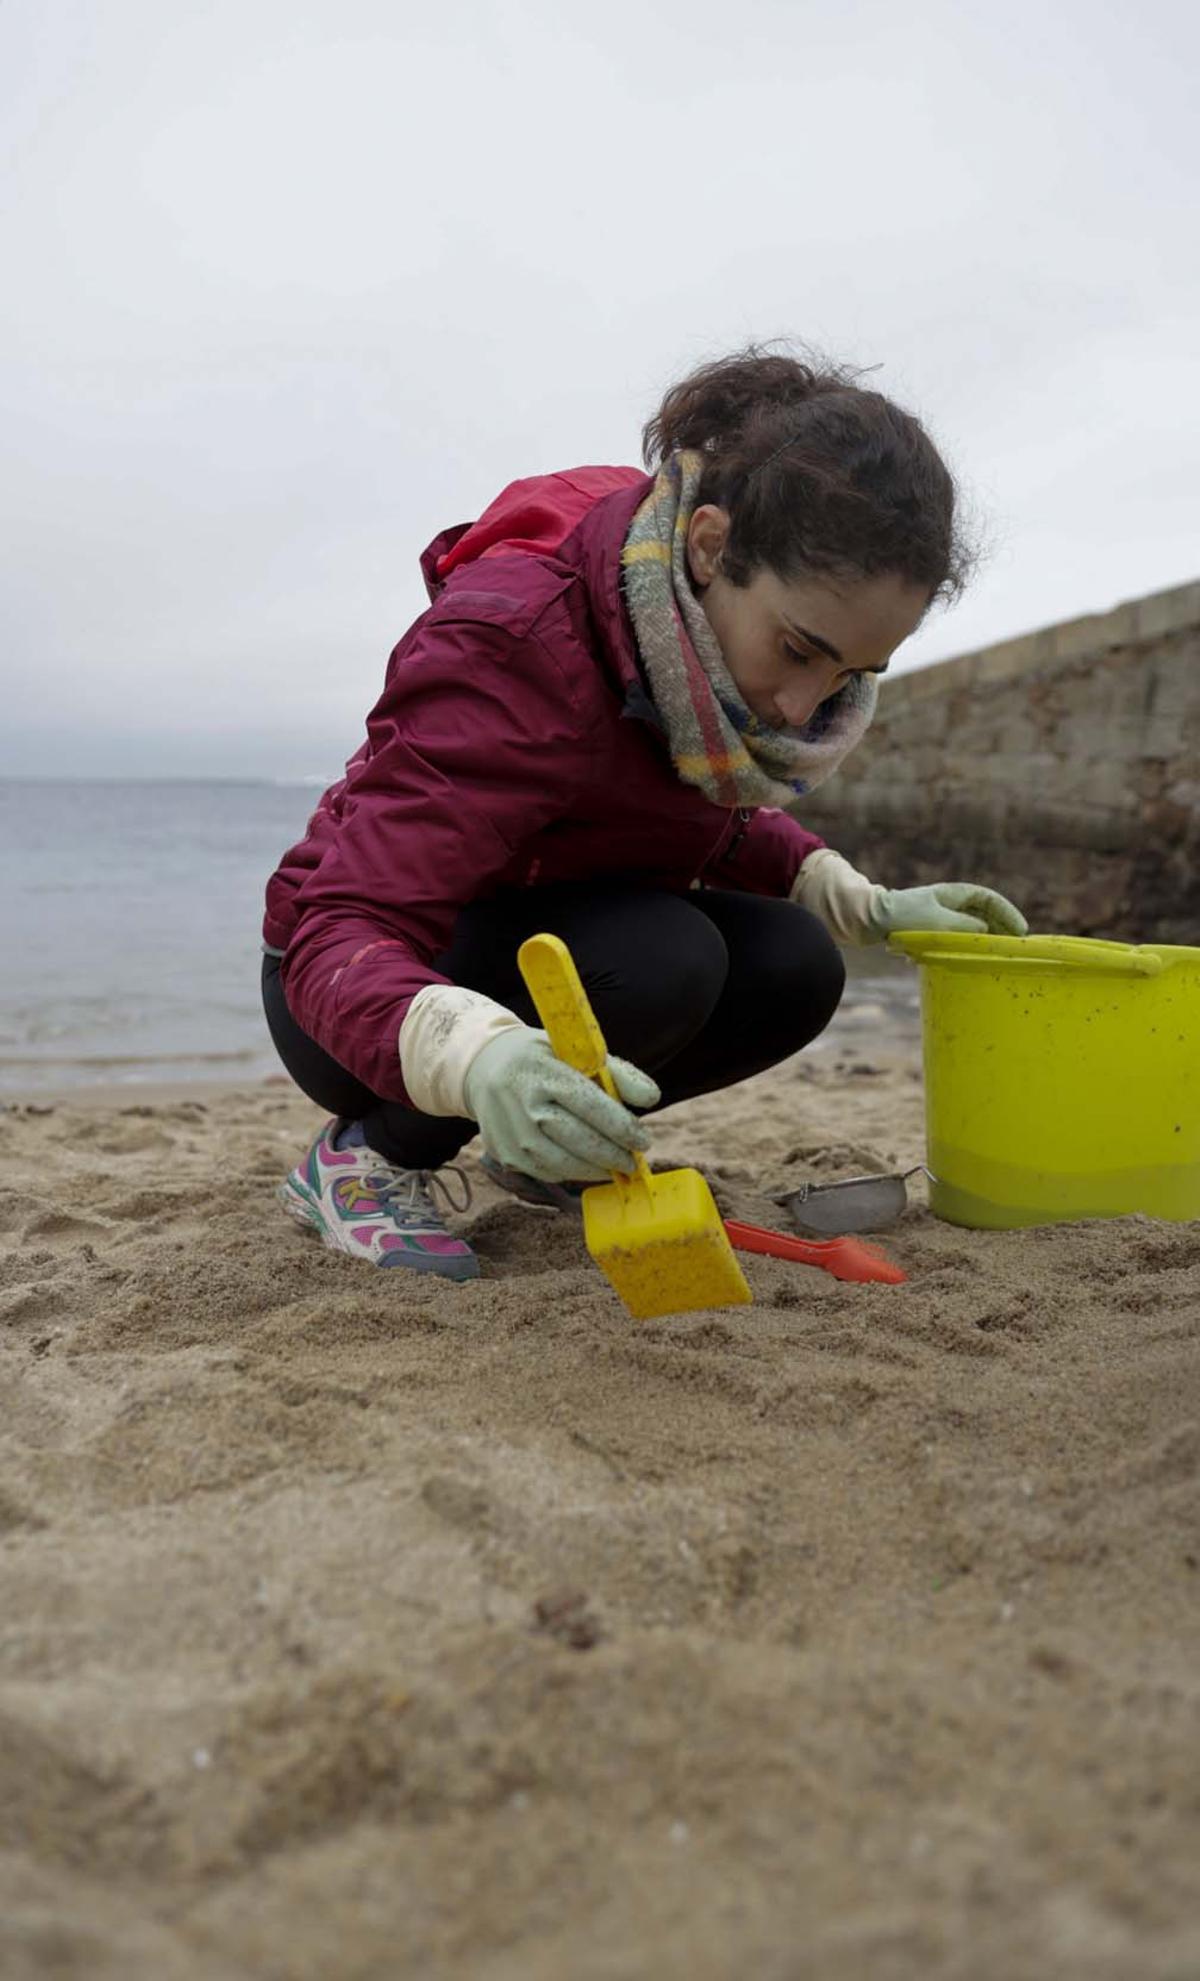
717, 743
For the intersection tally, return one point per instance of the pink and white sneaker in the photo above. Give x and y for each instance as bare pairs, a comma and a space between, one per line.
364, 1205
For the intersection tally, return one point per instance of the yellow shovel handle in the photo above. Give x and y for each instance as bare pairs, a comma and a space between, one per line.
553, 983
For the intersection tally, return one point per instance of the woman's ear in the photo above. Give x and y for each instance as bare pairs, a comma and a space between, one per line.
706, 536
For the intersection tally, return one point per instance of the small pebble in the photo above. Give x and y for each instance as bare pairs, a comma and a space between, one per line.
201, 1757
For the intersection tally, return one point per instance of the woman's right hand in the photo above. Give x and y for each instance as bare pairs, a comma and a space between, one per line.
539, 1115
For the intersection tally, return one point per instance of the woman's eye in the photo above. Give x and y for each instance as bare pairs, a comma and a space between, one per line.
803, 659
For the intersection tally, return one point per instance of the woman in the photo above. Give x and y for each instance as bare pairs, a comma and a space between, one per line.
619, 681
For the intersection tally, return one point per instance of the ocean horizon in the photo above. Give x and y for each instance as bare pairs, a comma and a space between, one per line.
133, 909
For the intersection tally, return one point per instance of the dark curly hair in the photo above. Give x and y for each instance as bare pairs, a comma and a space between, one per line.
817, 472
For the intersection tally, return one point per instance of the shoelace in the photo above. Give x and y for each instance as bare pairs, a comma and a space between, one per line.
421, 1183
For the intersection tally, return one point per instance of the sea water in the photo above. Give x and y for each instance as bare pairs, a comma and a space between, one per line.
132, 913
132, 919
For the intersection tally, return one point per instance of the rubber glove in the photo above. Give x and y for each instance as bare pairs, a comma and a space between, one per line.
859, 911
539, 1115
949, 904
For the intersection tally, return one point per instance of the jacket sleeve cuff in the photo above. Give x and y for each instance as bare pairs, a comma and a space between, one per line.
444, 1027
845, 900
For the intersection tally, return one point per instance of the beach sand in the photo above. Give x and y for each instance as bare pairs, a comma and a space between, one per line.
353, 1625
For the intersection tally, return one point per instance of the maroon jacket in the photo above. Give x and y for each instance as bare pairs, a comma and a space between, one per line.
514, 744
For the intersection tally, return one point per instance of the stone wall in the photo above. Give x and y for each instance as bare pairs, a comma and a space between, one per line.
1062, 767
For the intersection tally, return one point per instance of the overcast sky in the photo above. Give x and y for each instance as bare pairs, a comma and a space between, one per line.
293, 286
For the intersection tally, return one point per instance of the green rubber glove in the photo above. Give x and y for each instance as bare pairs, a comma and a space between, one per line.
539, 1115
950, 904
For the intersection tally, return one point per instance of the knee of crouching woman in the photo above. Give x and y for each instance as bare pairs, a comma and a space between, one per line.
818, 971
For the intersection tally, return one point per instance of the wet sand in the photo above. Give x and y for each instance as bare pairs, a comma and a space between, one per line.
353, 1625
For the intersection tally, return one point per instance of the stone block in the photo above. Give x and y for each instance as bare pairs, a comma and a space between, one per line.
1168, 612
1009, 659
1097, 633
921, 685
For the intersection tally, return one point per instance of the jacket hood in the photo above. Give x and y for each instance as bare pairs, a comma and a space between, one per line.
536, 515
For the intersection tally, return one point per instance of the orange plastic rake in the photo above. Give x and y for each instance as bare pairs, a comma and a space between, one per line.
845, 1258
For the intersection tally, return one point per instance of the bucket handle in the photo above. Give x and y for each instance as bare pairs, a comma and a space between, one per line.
1139, 963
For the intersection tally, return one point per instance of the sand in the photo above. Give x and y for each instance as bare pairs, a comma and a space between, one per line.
357, 1626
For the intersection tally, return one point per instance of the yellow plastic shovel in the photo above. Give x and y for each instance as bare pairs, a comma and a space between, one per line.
659, 1240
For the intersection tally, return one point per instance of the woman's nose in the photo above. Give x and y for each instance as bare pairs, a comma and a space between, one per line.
799, 701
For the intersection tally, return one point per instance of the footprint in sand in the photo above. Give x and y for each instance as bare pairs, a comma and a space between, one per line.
51, 1221
1171, 1460
16, 1512
58, 1807
31, 1303
457, 1501
117, 1138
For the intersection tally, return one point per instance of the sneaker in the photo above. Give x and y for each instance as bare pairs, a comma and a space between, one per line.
531, 1189
366, 1206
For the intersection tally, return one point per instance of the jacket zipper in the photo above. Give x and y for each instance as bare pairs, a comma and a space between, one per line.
740, 834
732, 834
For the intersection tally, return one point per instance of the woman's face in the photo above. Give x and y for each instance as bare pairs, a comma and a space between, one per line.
790, 646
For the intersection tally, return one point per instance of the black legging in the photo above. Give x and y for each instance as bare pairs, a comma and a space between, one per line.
700, 990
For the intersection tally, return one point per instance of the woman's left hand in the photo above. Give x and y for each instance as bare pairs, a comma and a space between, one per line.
950, 904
